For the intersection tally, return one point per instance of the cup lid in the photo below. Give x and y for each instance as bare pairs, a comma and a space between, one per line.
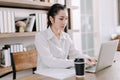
79, 60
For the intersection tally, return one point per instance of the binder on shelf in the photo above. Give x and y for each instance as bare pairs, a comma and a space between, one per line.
40, 22
42, 18
36, 25
30, 23
1, 57
1, 22
8, 54
9, 27
17, 47
11, 48
21, 47
43, 21
5, 21
6, 61
13, 21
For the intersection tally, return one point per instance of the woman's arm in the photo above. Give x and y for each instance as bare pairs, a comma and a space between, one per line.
74, 53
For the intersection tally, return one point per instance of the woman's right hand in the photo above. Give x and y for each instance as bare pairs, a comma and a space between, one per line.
91, 61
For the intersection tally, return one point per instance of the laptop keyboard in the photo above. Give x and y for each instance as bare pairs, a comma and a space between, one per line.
87, 66
90, 68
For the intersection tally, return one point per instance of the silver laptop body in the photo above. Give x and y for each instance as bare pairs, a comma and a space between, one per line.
106, 56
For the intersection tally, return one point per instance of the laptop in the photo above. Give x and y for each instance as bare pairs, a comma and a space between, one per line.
106, 56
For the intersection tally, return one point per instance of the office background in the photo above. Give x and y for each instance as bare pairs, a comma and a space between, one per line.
105, 22
104, 16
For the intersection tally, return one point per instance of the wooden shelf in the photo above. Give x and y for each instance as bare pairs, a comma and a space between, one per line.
117, 37
73, 7
71, 31
5, 71
25, 4
22, 34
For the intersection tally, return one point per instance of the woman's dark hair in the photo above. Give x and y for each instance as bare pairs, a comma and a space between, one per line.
53, 11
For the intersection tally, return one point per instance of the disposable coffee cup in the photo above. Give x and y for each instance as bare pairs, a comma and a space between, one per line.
79, 67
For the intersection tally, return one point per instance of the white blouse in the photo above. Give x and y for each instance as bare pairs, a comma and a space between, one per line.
54, 52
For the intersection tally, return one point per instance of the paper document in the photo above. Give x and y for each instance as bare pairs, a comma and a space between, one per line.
57, 73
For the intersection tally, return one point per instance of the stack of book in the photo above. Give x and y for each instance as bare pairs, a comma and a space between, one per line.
52, 1
5, 60
7, 22
40, 22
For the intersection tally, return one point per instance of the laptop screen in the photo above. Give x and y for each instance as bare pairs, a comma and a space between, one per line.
106, 55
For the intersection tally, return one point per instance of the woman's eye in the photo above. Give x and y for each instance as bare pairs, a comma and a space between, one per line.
61, 18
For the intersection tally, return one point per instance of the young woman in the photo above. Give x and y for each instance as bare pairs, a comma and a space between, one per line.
55, 47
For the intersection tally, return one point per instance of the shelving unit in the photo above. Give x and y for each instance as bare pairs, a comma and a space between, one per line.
29, 4
25, 4
20, 34
5, 71
22, 4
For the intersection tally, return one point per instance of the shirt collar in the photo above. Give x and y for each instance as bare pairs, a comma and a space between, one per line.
52, 35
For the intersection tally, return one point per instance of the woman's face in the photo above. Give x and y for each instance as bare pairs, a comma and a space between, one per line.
60, 20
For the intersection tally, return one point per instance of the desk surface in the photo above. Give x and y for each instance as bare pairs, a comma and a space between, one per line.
110, 73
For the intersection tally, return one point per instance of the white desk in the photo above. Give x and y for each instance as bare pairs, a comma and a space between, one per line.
110, 73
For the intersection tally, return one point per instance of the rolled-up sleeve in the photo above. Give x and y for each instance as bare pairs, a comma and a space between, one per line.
45, 55
74, 52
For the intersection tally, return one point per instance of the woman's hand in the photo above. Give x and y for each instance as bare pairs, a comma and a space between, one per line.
91, 61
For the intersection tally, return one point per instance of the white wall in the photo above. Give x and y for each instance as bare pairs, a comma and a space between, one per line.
107, 18
75, 19
104, 21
